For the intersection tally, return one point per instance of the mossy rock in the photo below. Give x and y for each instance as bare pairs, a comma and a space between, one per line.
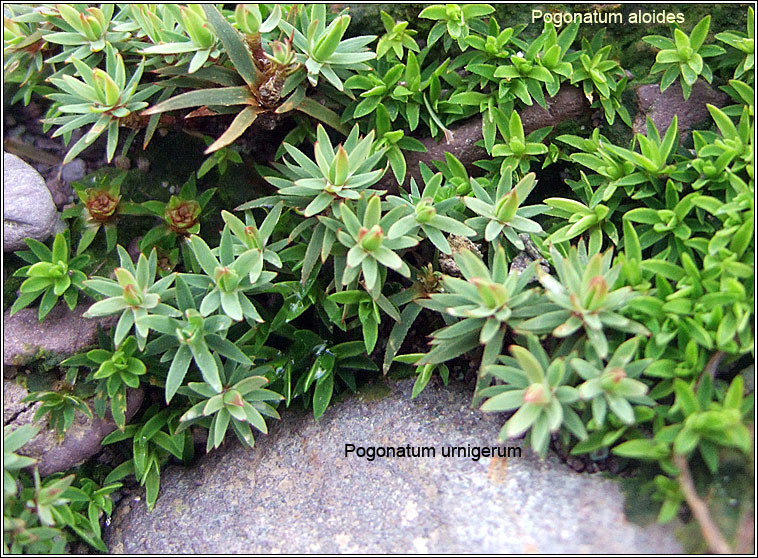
63, 333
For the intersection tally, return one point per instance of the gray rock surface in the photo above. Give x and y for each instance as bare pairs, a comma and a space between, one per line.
73, 171
13, 393
661, 107
296, 492
62, 333
81, 441
28, 208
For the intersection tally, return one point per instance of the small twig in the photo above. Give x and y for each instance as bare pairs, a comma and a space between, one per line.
711, 533
713, 363
711, 367
746, 534
24, 150
101, 264
745, 540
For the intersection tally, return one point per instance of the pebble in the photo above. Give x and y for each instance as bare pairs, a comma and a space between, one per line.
73, 171
143, 164
28, 208
123, 163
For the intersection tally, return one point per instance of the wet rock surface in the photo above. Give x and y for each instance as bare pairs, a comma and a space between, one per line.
296, 492
661, 107
62, 333
80, 442
28, 208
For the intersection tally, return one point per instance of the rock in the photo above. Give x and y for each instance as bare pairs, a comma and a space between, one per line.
28, 208
568, 104
73, 171
661, 107
748, 375
123, 163
133, 248
296, 492
461, 144
48, 144
13, 393
457, 243
81, 441
62, 333
529, 254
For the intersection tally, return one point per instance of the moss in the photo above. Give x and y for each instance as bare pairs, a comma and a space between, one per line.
38, 359
373, 391
366, 18
10, 287
39, 381
730, 495
619, 133
637, 56
576, 127
400, 371
627, 38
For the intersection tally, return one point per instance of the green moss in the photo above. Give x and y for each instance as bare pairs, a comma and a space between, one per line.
378, 389
39, 359
38, 380
366, 18
10, 288
400, 371
626, 39
636, 55
619, 133
576, 127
